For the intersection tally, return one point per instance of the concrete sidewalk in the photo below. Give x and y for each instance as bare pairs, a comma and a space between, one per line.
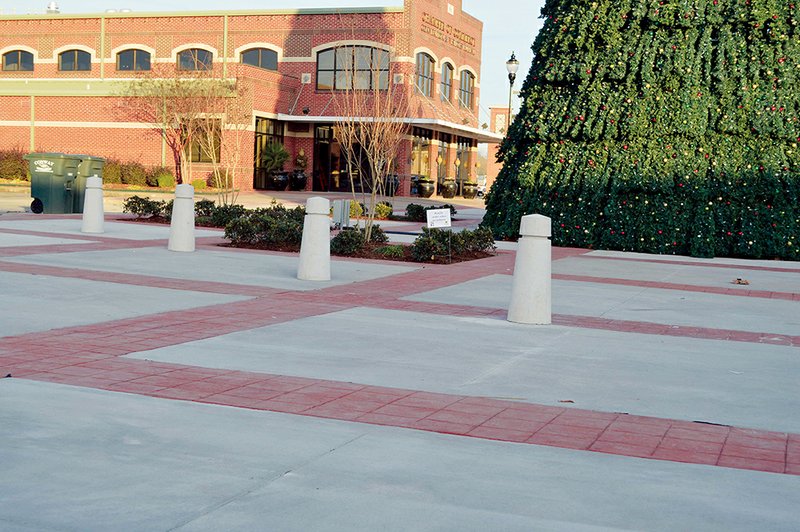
153, 390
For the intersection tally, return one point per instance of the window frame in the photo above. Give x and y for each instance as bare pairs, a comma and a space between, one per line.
260, 50
78, 54
196, 61
20, 54
136, 52
379, 67
446, 83
425, 68
466, 90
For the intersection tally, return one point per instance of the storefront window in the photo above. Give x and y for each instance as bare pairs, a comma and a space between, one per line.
420, 152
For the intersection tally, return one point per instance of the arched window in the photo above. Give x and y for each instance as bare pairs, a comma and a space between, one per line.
447, 82
74, 60
261, 58
353, 67
134, 60
466, 90
425, 73
195, 59
18, 60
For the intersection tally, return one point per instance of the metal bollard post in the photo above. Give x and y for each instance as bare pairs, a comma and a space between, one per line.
93, 215
315, 248
181, 228
531, 299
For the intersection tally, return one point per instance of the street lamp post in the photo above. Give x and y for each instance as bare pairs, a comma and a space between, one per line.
511, 65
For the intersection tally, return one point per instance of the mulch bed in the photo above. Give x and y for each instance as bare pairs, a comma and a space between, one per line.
369, 252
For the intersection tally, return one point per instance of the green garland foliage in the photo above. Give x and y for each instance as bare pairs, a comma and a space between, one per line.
659, 126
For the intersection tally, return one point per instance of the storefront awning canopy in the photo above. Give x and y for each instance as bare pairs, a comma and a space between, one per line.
429, 123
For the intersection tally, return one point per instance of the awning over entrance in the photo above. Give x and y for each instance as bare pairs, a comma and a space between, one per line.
431, 123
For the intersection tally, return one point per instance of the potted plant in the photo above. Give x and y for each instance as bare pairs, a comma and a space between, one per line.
425, 187
299, 178
469, 189
273, 157
447, 187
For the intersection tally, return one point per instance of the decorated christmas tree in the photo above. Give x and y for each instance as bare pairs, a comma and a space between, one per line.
659, 126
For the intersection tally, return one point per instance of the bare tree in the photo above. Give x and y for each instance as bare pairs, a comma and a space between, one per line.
371, 107
222, 132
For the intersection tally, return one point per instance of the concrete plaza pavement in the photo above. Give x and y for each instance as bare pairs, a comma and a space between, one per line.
153, 390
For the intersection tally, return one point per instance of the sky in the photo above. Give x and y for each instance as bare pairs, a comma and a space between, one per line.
508, 26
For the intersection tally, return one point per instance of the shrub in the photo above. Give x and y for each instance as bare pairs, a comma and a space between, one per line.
157, 174
416, 213
356, 209
12, 165
262, 228
144, 207
480, 240
166, 212
432, 243
391, 252
112, 171
204, 208
222, 215
165, 181
349, 241
199, 184
133, 173
383, 209
378, 235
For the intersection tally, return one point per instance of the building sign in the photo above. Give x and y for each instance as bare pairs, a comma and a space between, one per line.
438, 218
447, 33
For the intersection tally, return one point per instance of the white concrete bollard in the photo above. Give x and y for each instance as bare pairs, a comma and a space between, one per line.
93, 215
181, 228
315, 249
531, 296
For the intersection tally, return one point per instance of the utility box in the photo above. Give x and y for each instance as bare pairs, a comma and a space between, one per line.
90, 166
52, 182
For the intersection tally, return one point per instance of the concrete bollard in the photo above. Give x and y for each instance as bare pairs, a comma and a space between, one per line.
315, 249
93, 215
531, 299
181, 228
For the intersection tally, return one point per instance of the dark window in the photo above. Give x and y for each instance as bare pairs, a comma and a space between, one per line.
444, 144
466, 90
261, 58
462, 158
447, 82
420, 151
425, 74
135, 60
74, 60
195, 59
353, 67
18, 60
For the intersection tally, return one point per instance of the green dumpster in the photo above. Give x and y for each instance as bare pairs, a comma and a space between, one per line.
52, 180
89, 166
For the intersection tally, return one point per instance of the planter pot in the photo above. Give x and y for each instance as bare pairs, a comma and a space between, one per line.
298, 180
425, 188
469, 190
278, 180
447, 188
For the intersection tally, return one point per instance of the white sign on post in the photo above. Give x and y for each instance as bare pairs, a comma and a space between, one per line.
438, 218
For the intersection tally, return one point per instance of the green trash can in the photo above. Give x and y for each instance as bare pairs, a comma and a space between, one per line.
52, 181
89, 166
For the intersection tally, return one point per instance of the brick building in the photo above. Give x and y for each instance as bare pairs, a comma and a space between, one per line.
62, 77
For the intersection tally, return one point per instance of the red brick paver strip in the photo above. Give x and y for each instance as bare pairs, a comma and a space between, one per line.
89, 356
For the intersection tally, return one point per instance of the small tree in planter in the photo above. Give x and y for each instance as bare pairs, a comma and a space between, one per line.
273, 157
298, 179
